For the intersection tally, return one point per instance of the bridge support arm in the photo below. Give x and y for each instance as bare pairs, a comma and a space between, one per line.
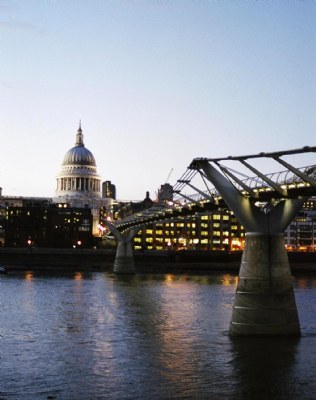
283, 213
247, 213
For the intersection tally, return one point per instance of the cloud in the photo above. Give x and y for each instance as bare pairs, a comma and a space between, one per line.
19, 25
9, 22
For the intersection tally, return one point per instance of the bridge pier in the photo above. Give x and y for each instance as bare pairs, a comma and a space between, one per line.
124, 259
264, 301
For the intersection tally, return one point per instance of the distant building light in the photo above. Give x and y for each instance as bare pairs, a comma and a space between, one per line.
102, 228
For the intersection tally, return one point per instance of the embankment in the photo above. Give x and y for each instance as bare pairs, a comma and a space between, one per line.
146, 261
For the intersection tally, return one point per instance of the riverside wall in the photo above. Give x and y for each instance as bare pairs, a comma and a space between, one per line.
145, 261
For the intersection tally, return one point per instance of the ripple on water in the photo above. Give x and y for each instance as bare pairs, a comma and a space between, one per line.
145, 337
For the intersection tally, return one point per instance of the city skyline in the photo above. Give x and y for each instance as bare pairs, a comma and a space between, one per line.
155, 84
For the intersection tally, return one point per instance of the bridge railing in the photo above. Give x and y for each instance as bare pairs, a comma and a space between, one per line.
281, 178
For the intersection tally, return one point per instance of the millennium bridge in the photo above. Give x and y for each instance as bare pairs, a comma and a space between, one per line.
264, 204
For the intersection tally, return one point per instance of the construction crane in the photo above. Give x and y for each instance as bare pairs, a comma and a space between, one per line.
168, 177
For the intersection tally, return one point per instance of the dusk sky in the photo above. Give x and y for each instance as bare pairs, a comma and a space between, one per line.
154, 83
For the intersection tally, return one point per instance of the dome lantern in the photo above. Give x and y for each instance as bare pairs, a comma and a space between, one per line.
79, 136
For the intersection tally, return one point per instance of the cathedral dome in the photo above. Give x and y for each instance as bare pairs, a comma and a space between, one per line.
79, 155
78, 177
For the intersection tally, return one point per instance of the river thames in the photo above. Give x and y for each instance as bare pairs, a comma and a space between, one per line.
89, 336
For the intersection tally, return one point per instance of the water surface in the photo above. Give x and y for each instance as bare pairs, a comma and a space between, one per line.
99, 336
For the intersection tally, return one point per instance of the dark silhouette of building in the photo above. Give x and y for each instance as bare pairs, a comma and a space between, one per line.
165, 192
48, 225
147, 202
108, 190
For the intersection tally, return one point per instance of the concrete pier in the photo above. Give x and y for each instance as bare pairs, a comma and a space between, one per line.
264, 301
124, 260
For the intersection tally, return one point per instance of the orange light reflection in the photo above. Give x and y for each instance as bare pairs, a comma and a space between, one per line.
29, 276
78, 276
228, 280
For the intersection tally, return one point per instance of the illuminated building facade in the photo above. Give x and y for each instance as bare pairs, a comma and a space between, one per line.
217, 231
300, 235
220, 230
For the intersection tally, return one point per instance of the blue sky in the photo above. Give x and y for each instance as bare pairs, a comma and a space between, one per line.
155, 84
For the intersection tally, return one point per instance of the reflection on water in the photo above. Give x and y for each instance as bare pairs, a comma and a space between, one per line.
228, 280
101, 336
223, 279
78, 276
28, 276
304, 281
265, 367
